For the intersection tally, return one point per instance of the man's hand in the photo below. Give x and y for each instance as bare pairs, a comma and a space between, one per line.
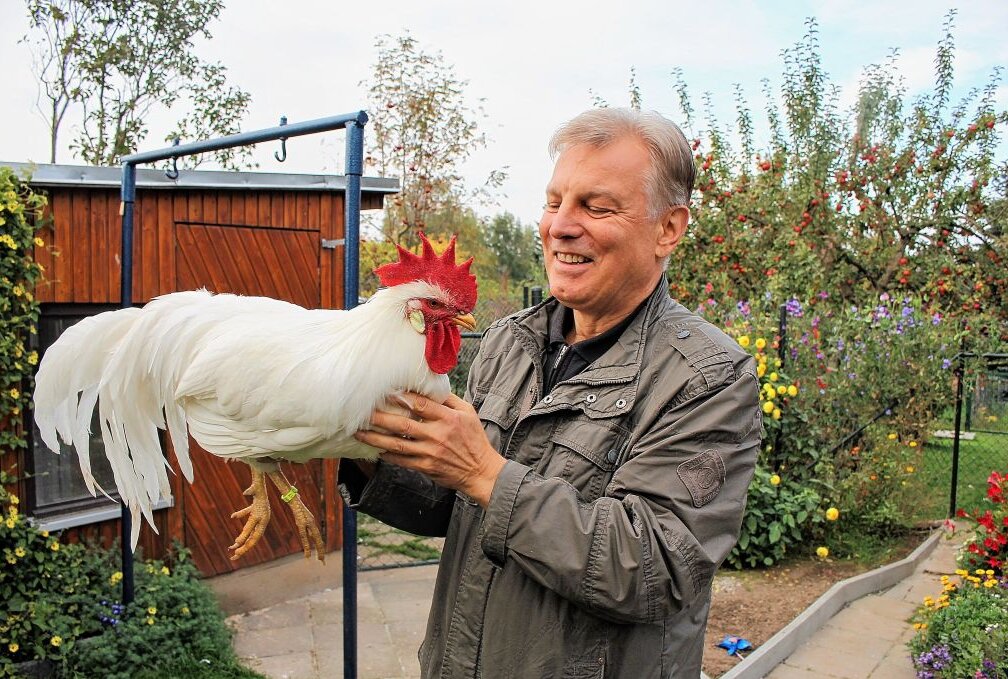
446, 443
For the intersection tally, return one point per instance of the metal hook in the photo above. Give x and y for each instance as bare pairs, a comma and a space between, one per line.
173, 173
282, 156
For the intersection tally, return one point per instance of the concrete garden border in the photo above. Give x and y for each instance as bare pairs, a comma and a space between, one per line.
781, 645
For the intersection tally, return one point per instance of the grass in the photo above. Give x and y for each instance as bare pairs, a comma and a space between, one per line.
191, 668
382, 545
977, 459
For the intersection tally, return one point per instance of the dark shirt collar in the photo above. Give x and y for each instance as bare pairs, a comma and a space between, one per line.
561, 320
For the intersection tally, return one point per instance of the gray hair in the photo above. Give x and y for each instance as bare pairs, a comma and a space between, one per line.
672, 173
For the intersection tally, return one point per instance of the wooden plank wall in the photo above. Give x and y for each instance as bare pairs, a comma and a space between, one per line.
81, 255
81, 259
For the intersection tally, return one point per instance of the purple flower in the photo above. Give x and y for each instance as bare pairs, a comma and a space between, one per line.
907, 311
946, 363
840, 345
823, 295
936, 319
744, 308
884, 297
793, 307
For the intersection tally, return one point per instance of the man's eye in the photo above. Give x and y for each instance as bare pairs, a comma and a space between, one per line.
596, 210
551, 207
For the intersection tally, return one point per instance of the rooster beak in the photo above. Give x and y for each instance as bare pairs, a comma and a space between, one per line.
465, 320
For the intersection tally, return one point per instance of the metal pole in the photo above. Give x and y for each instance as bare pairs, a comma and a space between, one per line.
537, 295
782, 334
955, 440
128, 196
351, 291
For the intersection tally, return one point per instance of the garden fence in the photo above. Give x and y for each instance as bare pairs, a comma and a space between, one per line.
979, 438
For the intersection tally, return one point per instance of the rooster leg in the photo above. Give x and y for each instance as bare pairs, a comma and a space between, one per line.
307, 528
258, 514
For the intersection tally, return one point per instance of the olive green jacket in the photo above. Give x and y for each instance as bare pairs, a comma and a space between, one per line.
623, 492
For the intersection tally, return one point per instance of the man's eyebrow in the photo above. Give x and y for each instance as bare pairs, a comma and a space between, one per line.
600, 193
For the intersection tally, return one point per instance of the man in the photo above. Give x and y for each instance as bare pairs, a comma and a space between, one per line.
598, 478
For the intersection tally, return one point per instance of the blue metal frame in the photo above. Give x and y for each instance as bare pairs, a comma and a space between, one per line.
354, 124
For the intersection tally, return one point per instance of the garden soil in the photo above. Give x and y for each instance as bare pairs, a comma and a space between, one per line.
757, 604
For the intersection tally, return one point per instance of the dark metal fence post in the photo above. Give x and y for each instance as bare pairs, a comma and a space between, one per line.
782, 334
955, 441
128, 197
537, 294
351, 292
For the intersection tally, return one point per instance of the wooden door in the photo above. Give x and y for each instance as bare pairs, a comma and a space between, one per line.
278, 263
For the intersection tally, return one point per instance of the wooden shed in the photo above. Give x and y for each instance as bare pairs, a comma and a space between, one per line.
277, 235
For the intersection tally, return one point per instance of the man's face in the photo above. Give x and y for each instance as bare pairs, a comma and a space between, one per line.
603, 251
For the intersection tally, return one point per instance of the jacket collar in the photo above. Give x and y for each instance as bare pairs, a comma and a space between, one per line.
616, 371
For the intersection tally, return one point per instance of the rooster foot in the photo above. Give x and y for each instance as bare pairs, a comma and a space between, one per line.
258, 514
304, 520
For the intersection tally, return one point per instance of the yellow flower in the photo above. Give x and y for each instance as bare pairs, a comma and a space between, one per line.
151, 610
792, 391
116, 577
56, 641
777, 363
13, 647
10, 559
962, 572
928, 601
891, 436
39, 242
19, 552
768, 407
760, 343
743, 341
185, 610
150, 621
14, 393
33, 358
776, 414
822, 552
45, 533
775, 480
989, 572
54, 546
18, 290
164, 570
781, 390
909, 469
761, 369
912, 444
10, 522
989, 583
774, 377
832, 514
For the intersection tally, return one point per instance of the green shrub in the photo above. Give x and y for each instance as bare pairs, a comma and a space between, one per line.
59, 603
778, 517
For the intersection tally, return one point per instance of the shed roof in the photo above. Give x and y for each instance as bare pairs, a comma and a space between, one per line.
111, 177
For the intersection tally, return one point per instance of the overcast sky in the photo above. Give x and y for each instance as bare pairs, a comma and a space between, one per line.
533, 64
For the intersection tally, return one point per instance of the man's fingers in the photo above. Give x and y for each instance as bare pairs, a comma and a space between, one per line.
386, 442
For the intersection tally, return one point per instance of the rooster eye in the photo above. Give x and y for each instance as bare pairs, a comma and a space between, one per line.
434, 303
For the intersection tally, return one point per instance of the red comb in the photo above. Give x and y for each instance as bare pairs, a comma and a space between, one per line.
434, 269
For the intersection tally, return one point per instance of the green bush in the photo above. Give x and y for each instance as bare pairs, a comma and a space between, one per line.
964, 632
779, 515
59, 603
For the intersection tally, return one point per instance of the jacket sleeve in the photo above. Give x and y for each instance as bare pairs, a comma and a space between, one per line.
399, 497
670, 515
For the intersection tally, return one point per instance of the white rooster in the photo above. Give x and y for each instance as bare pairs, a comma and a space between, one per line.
251, 379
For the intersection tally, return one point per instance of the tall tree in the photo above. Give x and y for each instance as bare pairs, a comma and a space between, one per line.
423, 131
117, 60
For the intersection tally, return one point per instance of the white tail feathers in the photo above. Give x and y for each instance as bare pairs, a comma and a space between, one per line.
123, 360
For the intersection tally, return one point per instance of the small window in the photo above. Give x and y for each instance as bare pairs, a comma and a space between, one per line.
55, 483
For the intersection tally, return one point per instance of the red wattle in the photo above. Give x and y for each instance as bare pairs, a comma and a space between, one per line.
443, 343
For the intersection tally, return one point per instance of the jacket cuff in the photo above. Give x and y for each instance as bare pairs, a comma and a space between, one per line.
497, 518
360, 492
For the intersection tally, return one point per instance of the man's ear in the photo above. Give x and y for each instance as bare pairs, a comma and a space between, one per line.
673, 226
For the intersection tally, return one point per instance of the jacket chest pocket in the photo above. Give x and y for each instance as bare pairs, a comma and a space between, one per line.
585, 453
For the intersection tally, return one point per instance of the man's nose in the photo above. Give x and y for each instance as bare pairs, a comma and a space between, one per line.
565, 223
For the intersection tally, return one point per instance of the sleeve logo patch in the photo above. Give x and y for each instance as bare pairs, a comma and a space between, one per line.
703, 475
